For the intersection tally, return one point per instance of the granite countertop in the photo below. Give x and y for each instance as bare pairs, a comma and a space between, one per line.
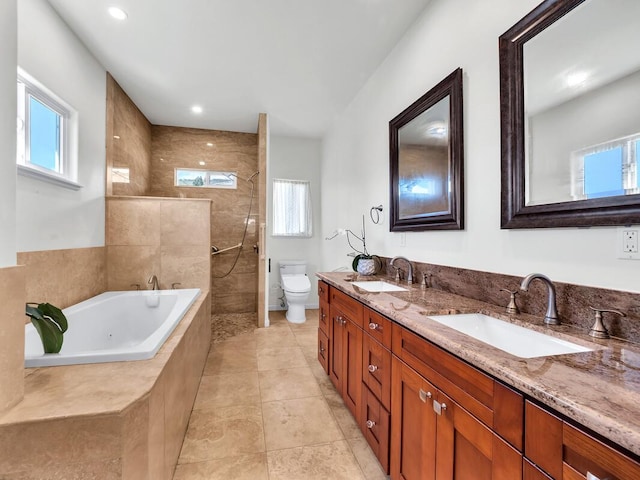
598, 389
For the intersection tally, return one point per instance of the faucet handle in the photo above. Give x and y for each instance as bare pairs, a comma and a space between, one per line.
398, 274
598, 330
424, 282
174, 285
137, 285
512, 307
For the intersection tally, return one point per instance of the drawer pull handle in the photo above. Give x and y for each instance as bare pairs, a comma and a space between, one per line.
370, 424
340, 320
372, 368
439, 407
424, 395
374, 326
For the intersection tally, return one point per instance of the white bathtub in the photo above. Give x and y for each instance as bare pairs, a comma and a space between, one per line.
114, 327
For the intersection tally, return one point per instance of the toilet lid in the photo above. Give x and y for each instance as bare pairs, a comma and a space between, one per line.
296, 283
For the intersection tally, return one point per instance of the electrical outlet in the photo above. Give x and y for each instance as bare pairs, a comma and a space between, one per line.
627, 240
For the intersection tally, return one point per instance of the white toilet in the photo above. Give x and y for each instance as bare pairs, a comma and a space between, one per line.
296, 286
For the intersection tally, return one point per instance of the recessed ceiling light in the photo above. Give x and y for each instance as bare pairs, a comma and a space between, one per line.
117, 137
209, 144
196, 109
576, 78
118, 13
201, 163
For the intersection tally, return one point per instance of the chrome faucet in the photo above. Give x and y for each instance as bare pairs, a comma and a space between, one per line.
410, 270
551, 317
153, 281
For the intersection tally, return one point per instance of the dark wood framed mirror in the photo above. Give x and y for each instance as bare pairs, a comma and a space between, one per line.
426, 153
570, 132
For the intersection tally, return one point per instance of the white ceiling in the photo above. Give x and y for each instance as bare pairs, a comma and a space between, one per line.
300, 61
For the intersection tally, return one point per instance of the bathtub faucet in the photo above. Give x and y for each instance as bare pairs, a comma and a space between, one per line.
153, 281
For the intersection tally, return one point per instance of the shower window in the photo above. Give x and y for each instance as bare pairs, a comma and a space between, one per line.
191, 177
291, 208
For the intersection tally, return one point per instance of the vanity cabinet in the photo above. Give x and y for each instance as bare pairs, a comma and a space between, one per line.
434, 434
345, 349
564, 451
428, 414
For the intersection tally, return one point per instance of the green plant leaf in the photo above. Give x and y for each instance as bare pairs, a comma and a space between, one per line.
56, 315
33, 312
50, 334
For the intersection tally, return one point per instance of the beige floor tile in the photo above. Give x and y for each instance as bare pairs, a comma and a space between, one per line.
277, 358
345, 420
244, 467
299, 422
366, 459
319, 462
287, 384
231, 358
324, 382
275, 337
307, 337
226, 390
223, 432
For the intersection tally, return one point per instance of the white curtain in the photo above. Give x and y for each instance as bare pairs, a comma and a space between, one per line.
291, 208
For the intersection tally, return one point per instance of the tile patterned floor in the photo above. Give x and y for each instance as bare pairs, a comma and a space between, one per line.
266, 410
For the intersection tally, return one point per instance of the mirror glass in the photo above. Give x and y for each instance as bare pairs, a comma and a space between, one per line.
581, 79
426, 160
423, 163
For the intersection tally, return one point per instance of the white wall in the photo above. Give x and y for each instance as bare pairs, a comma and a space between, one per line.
295, 159
51, 217
8, 62
355, 161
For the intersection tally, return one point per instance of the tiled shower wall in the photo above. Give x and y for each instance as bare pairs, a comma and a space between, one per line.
152, 152
173, 147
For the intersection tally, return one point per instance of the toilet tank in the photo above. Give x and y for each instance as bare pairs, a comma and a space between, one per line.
293, 267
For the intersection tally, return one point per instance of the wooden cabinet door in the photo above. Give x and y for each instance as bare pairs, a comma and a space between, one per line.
375, 426
324, 317
336, 346
352, 368
467, 449
323, 350
413, 425
376, 369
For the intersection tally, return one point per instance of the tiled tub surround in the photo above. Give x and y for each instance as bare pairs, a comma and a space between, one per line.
12, 299
166, 237
122, 420
599, 389
573, 300
83, 270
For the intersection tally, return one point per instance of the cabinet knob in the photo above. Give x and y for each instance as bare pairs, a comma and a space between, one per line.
322, 350
323, 316
339, 320
372, 368
424, 395
439, 407
370, 424
374, 326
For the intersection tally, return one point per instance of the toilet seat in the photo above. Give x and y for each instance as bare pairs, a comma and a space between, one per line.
296, 283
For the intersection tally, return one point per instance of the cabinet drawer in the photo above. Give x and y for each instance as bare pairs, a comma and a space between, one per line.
585, 455
531, 472
324, 316
323, 350
378, 327
323, 291
350, 306
376, 369
543, 439
375, 426
469, 387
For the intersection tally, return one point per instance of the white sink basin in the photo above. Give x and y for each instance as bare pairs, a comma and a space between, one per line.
519, 341
379, 286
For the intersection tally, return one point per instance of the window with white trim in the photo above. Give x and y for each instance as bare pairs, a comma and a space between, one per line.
47, 131
606, 170
291, 208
